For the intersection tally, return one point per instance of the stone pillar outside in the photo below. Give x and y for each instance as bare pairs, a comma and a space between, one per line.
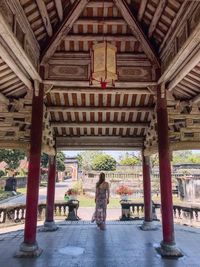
49, 224
168, 247
29, 248
148, 216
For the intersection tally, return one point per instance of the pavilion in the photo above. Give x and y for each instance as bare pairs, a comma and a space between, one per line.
48, 101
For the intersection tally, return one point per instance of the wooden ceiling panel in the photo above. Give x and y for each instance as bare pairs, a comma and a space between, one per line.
93, 122
43, 16
10, 84
189, 86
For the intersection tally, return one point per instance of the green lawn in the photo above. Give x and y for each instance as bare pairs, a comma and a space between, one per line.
5, 195
21, 190
86, 201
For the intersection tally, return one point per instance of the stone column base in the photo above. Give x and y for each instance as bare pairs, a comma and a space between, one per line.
148, 226
28, 251
167, 250
49, 227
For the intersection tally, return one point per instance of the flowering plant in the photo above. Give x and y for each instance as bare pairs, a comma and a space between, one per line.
72, 191
124, 190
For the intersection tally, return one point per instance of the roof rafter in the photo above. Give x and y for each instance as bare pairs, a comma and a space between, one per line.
14, 67
64, 29
194, 60
156, 17
59, 8
45, 17
14, 46
137, 31
143, 4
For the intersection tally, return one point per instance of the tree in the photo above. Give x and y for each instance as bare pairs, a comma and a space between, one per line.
154, 160
12, 157
194, 158
60, 161
182, 157
44, 160
103, 162
85, 159
129, 159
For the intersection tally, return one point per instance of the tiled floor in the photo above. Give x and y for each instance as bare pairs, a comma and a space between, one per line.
122, 244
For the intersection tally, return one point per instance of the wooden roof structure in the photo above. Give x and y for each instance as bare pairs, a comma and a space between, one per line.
49, 41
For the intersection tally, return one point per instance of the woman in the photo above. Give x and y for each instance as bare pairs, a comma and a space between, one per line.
101, 199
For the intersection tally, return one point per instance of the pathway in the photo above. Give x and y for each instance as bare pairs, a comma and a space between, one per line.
59, 194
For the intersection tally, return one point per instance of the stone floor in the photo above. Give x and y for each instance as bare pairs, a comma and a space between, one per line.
82, 244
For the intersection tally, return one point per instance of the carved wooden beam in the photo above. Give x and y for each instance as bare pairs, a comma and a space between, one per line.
98, 109
64, 29
174, 146
48, 150
14, 45
99, 125
84, 58
196, 99
45, 17
99, 20
96, 4
59, 8
15, 115
14, 67
86, 84
14, 144
142, 8
99, 142
100, 37
156, 17
137, 31
141, 91
4, 99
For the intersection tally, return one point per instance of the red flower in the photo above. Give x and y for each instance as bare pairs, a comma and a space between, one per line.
72, 191
124, 190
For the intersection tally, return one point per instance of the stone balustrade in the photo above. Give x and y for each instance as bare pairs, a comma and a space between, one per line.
187, 215
16, 214
131, 211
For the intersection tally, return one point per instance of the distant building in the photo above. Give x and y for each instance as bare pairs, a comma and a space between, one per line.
71, 165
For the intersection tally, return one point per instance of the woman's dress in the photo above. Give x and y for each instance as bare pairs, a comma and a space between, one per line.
101, 205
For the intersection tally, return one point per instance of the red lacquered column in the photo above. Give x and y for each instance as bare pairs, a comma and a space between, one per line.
148, 216
49, 224
147, 189
29, 246
168, 248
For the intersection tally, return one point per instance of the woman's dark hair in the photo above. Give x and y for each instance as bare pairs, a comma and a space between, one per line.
101, 179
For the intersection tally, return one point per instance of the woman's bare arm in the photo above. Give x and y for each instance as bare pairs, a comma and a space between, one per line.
108, 193
96, 194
